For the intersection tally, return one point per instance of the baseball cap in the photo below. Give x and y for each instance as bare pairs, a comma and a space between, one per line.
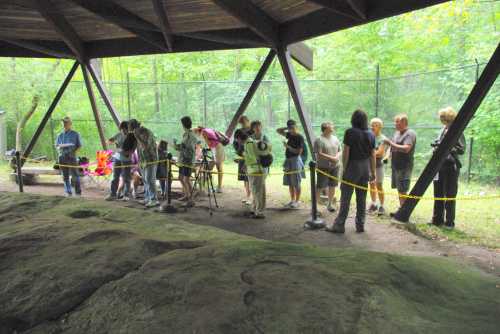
291, 123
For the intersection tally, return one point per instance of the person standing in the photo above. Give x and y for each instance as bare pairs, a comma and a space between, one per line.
256, 173
358, 162
377, 186
244, 123
402, 150
162, 169
260, 139
68, 143
186, 159
148, 157
327, 150
121, 164
446, 182
293, 165
212, 139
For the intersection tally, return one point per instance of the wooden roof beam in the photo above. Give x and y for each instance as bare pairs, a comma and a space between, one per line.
255, 18
48, 11
125, 19
161, 13
360, 7
49, 50
341, 7
236, 37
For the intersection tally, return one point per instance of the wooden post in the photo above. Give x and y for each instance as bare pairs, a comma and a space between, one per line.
19, 172
128, 96
93, 104
469, 165
478, 93
53, 139
377, 90
104, 94
49, 112
251, 92
293, 86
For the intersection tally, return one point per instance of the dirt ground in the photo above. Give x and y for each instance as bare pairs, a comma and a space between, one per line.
286, 225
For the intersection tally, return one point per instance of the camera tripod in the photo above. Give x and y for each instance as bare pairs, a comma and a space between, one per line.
204, 177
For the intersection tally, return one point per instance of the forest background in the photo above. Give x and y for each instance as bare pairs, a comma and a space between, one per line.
415, 63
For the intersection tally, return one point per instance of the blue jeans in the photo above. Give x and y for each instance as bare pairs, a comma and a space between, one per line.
149, 178
124, 172
67, 171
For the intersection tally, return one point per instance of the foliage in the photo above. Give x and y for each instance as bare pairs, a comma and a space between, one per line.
209, 86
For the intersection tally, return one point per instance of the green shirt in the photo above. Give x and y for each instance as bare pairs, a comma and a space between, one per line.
251, 156
146, 146
187, 148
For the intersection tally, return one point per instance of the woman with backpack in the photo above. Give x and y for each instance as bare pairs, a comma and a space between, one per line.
294, 162
216, 141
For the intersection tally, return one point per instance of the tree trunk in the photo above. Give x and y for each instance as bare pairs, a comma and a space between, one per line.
157, 89
22, 122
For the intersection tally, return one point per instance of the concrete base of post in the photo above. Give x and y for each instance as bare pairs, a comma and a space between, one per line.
314, 224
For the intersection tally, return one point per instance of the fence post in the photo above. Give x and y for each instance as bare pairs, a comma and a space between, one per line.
469, 165
52, 137
314, 222
19, 172
377, 90
128, 95
204, 103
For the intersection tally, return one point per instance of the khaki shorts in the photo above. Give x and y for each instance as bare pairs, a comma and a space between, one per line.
323, 181
219, 153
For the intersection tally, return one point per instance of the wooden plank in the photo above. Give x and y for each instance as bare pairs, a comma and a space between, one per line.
93, 104
360, 7
161, 12
57, 52
49, 112
303, 54
294, 88
286, 10
63, 28
251, 92
125, 19
321, 22
40, 171
135, 46
230, 36
104, 94
340, 7
255, 18
464, 116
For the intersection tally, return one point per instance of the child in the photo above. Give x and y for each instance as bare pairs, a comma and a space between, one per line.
161, 171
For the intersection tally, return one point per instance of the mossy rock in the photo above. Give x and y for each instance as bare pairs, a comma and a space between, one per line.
153, 274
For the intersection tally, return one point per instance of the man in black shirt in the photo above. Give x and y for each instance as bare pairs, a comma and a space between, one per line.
293, 166
358, 160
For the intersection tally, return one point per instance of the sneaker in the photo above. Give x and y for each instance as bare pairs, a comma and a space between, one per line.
218, 190
67, 195
332, 207
152, 204
335, 228
248, 202
373, 208
360, 228
381, 211
294, 205
125, 199
288, 205
110, 197
449, 226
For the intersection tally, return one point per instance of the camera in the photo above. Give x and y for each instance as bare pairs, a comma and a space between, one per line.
435, 143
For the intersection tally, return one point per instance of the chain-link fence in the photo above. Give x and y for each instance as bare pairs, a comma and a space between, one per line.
159, 106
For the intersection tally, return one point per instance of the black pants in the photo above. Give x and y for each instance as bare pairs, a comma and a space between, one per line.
357, 172
446, 186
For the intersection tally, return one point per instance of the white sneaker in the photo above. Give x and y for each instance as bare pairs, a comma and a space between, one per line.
294, 205
152, 204
289, 204
125, 199
67, 195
